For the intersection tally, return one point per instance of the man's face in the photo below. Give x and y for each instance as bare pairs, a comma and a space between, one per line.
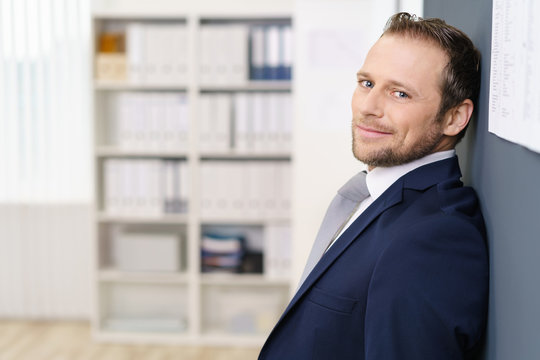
396, 102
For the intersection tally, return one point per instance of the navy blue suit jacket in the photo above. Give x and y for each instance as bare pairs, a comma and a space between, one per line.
407, 280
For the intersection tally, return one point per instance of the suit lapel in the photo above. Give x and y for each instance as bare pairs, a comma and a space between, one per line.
393, 196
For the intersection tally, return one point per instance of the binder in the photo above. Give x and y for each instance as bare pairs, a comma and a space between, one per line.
257, 53
259, 121
169, 186
277, 252
179, 54
136, 53
268, 176
237, 53
274, 123
111, 200
285, 190
286, 59
204, 122
205, 64
208, 193
241, 124
257, 188
236, 195
220, 45
223, 116
271, 59
155, 195
286, 121
156, 54
184, 186
180, 118
156, 110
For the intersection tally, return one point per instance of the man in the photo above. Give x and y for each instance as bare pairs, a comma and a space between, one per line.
403, 274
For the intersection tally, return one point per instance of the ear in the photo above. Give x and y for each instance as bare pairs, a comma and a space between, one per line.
458, 117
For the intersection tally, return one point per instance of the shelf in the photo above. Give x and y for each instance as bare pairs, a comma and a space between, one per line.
234, 155
111, 151
143, 14
275, 85
113, 336
123, 86
236, 10
243, 221
180, 219
112, 275
241, 280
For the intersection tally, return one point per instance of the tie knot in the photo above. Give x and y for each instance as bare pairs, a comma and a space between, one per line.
356, 188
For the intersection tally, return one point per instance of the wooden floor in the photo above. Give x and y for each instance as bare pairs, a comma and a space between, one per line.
28, 340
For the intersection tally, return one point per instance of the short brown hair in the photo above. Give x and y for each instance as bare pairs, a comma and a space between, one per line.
461, 76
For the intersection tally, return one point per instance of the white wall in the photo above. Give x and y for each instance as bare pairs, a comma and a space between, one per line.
45, 261
412, 6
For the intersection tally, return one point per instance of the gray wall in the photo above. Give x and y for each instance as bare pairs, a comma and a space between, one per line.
506, 177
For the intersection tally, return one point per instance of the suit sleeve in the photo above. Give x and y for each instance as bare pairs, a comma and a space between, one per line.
427, 297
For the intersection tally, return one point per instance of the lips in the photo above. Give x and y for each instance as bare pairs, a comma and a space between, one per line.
371, 132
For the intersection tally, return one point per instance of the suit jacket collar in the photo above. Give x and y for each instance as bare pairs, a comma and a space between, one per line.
418, 179
381, 178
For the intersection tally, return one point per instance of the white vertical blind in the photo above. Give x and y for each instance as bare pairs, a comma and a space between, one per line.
45, 132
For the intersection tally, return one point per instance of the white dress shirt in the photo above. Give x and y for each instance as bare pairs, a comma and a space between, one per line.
381, 178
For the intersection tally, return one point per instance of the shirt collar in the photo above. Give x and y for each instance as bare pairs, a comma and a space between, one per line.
381, 178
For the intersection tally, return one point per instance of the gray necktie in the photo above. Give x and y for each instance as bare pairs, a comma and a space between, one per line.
340, 210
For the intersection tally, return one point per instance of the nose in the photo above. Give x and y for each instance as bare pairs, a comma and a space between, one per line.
367, 102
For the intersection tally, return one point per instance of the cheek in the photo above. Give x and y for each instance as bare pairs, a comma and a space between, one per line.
410, 128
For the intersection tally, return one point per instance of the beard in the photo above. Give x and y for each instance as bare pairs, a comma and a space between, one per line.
398, 154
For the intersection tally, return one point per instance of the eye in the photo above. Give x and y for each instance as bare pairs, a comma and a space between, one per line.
400, 94
366, 83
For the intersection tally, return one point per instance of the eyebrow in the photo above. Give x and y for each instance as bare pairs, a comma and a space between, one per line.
410, 89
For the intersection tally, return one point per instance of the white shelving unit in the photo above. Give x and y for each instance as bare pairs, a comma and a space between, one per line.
183, 305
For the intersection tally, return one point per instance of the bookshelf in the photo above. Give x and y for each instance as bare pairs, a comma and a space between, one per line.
192, 170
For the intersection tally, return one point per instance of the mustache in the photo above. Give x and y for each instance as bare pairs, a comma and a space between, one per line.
372, 124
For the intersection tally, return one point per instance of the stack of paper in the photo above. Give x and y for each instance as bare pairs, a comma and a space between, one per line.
221, 253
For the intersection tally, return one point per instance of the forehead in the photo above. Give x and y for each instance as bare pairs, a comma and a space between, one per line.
406, 59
